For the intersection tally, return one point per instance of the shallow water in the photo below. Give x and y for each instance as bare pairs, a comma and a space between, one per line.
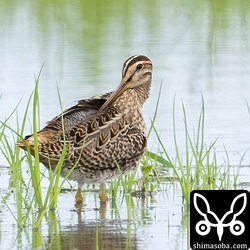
198, 48
153, 222
158, 221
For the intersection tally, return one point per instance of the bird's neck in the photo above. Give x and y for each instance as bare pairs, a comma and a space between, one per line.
130, 103
133, 99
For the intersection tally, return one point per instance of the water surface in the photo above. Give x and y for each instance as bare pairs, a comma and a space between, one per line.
198, 48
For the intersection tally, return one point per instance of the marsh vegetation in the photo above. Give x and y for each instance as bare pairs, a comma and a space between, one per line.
197, 116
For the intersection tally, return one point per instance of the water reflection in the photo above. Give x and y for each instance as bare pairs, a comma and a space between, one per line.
105, 231
96, 235
196, 47
155, 222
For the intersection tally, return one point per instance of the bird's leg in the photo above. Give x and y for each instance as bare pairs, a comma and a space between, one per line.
102, 194
79, 198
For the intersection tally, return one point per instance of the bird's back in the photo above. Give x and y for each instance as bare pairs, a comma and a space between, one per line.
94, 140
101, 134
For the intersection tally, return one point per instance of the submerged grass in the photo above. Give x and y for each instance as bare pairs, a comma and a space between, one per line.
197, 169
34, 203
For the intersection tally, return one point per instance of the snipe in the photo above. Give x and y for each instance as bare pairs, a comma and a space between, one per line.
105, 135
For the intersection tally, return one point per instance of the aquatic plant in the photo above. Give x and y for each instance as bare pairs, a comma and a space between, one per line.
198, 168
13, 156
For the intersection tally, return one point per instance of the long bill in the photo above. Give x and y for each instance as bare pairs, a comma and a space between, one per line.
118, 92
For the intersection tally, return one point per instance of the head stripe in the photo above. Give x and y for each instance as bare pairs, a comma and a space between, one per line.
132, 60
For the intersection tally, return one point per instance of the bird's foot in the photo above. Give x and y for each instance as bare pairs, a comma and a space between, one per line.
103, 195
79, 198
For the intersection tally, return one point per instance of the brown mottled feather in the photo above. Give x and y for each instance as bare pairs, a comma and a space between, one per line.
101, 133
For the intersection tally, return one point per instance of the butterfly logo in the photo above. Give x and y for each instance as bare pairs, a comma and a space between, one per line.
203, 227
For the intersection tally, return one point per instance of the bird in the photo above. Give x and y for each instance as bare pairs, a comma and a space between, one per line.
104, 136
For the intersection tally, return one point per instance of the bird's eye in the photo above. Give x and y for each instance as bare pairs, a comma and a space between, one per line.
139, 66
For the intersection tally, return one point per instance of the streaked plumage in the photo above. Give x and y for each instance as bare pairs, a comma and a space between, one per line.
102, 132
